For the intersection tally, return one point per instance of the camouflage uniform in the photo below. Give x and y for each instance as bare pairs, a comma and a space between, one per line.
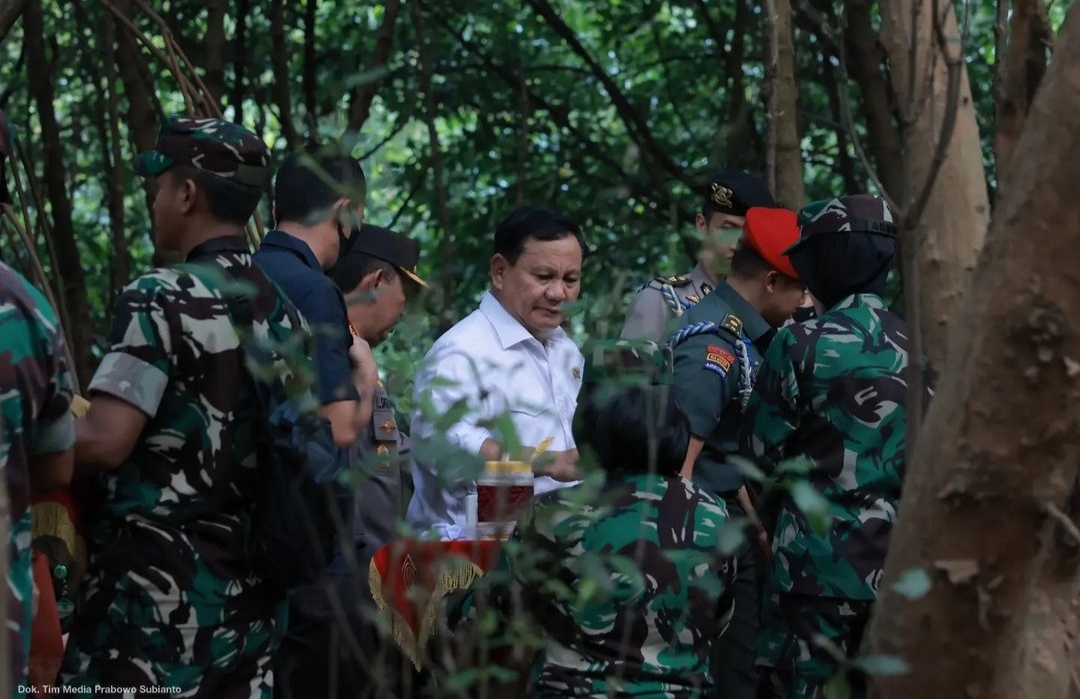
35, 393
646, 636
169, 599
831, 390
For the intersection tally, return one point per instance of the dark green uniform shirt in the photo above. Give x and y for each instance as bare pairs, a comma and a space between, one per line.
710, 371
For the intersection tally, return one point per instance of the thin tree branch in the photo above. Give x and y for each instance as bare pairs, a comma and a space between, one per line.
10, 11
364, 95
636, 127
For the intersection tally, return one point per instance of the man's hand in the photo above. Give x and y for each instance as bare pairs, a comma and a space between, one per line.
365, 370
560, 465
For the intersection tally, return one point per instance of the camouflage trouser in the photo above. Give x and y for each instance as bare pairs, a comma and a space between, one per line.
791, 664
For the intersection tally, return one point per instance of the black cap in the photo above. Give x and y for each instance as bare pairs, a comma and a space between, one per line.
734, 193
375, 241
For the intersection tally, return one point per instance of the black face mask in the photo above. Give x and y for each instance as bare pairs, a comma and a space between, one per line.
346, 242
804, 313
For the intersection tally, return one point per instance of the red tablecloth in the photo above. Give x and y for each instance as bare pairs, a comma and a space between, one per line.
409, 578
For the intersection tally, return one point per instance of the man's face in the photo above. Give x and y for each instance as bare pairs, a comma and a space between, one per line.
721, 233
172, 201
783, 297
376, 305
546, 275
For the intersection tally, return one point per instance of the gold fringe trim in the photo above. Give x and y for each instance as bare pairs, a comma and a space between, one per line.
452, 578
52, 519
399, 628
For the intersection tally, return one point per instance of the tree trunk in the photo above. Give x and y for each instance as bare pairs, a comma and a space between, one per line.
864, 59
215, 48
943, 203
279, 60
70, 273
784, 165
1023, 63
363, 95
990, 503
240, 61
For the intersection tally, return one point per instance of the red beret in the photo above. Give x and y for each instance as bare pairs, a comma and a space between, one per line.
769, 233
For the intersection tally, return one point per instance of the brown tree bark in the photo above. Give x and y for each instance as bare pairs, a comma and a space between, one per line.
1022, 65
142, 105
784, 165
307, 86
990, 507
215, 48
279, 59
865, 57
944, 204
236, 99
120, 266
70, 274
363, 95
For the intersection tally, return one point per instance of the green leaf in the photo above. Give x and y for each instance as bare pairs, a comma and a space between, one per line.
883, 665
838, 687
913, 583
813, 504
748, 468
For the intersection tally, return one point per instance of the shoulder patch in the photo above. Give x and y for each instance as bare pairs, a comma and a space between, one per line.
732, 324
718, 359
674, 281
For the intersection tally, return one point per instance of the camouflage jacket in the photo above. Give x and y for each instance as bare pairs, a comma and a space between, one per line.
832, 390
167, 539
35, 393
628, 586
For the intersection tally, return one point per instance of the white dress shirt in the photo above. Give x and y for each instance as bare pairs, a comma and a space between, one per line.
498, 368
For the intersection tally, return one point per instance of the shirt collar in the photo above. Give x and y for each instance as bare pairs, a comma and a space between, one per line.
753, 324
507, 327
284, 241
867, 300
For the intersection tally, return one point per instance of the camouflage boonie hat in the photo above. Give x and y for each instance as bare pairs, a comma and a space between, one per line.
215, 146
857, 213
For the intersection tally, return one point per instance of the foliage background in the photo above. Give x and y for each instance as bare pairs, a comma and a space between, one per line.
614, 112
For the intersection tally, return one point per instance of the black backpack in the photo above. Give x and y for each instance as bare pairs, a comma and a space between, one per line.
302, 502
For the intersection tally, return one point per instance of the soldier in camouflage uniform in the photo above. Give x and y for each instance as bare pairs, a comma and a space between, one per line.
376, 275
169, 441
657, 304
831, 391
36, 438
647, 544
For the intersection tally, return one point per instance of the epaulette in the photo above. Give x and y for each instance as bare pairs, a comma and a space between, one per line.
732, 324
678, 280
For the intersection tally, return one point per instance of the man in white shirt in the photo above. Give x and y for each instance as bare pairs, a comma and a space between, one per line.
508, 359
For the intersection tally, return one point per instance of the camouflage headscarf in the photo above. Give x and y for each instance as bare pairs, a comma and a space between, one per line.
846, 248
